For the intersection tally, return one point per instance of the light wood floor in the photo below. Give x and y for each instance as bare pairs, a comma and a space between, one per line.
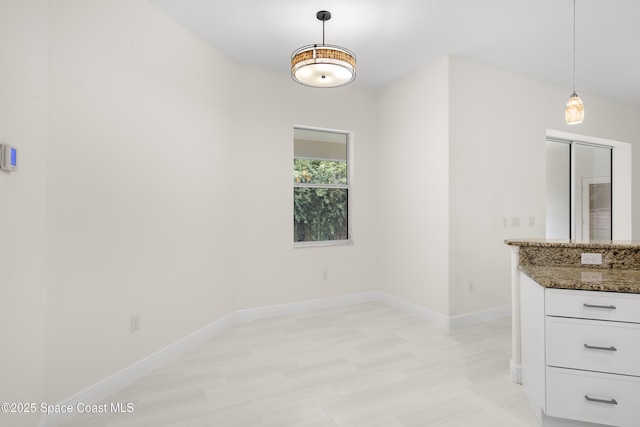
365, 365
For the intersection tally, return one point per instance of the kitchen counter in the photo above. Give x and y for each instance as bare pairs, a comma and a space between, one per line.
576, 329
624, 255
556, 243
558, 264
587, 279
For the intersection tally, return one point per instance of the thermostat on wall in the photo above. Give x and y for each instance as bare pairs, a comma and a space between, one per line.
8, 158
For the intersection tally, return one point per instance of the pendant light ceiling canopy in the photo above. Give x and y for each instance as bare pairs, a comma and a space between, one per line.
574, 111
323, 65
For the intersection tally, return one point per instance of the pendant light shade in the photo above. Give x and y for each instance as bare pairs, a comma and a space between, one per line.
323, 65
574, 112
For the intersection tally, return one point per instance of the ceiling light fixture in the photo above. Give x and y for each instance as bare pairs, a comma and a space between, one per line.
574, 113
323, 65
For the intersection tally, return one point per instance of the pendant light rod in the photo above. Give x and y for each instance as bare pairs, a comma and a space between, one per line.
323, 16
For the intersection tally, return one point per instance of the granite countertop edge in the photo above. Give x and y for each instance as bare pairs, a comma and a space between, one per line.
551, 243
609, 280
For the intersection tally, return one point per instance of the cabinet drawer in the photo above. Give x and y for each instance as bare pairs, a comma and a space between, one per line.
593, 397
593, 345
593, 305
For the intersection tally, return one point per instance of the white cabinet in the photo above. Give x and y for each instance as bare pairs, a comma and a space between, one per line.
593, 345
581, 355
593, 397
612, 306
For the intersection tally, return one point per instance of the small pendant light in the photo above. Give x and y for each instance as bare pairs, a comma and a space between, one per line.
574, 112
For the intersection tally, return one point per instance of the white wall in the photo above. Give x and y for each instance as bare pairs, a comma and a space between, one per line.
139, 187
175, 201
164, 188
23, 123
462, 153
499, 123
269, 269
414, 188
497, 173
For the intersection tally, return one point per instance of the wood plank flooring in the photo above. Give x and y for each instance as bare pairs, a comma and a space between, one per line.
364, 365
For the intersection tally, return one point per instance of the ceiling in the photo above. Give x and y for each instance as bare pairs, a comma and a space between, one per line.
393, 38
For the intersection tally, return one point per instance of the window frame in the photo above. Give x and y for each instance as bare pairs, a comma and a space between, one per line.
348, 186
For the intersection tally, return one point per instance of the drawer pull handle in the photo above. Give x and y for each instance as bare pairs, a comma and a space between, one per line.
608, 402
608, 307
594, 347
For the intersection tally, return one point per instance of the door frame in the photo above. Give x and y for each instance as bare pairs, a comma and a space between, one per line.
621, 179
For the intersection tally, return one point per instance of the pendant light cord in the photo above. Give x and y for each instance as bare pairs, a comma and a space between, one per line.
574, 46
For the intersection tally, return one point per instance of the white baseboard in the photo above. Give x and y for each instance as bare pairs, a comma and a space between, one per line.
445, 322
436, 318
105, 388
127, 376
470, 319
516, 372
258, 313
548, 421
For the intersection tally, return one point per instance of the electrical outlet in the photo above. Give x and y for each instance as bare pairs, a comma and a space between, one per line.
325, 275
589, 258
470, 286
135, 323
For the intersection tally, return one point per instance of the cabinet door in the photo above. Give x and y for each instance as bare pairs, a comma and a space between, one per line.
593, 397
593, 305
593, 345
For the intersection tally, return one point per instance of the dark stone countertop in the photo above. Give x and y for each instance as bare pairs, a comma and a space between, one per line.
557, 264
595, 244
586, 279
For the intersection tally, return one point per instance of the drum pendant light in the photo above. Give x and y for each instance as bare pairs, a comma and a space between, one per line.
323, 65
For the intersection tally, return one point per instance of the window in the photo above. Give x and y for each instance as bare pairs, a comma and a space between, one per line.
320, 186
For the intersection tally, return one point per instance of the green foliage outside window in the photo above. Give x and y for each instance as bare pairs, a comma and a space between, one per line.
320, 204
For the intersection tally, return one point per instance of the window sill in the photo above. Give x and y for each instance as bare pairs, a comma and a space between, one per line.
322, 244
